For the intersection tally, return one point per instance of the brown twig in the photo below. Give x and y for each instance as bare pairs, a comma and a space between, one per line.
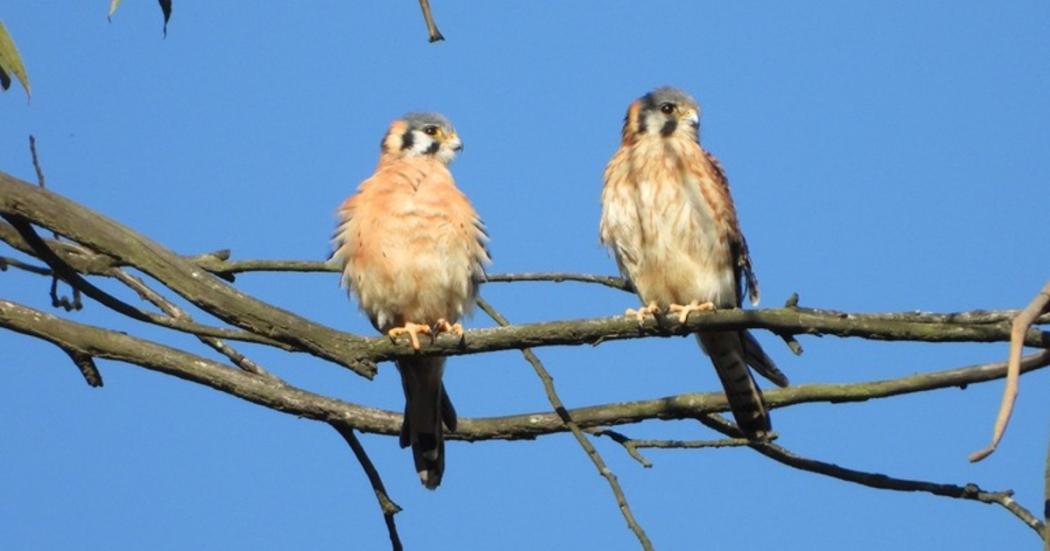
386, 505
632, 445
57, 301
566, 418
558, 277
1018, 331
169, 308
6, 262
86, 365
1046, 502
880, 481
432, 30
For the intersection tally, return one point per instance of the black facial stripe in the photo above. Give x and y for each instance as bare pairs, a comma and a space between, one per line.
433, 149
407, 140
641, 121
668, 127
648, 102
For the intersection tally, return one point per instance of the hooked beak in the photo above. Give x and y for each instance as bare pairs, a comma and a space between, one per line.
693, 118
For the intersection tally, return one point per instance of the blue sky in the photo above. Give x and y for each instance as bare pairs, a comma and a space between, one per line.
883, 156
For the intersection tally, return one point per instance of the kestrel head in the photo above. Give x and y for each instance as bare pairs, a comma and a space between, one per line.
418, 134
665, 112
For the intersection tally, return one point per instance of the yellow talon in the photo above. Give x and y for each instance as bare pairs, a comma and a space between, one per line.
443, 325
695, 306
649, 310
412, 329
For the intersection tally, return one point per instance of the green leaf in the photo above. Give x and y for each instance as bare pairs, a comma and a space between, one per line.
11, 63
113, 5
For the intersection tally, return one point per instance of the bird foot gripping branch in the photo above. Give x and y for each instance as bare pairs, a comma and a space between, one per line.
412, 330
648, 311
684, 311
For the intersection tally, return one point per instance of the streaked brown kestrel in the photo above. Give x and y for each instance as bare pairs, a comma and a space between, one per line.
669, 220
412, 249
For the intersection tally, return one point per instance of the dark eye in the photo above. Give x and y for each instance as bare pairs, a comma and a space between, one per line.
667, 108
430, 130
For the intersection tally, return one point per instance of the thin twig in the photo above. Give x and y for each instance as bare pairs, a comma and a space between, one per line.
1018, 331
386, 505
880, 481
57, 301
1046, 502
40, 180
632, 445
86, 365
432, 30
6, 261
563, 413
558, 277
169, 308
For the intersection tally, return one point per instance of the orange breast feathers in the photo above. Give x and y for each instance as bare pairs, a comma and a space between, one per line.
411, 245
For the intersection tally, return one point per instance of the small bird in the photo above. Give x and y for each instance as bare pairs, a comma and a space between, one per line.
413, 250
669, 221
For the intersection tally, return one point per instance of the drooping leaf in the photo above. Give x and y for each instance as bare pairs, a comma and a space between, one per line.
11, 63
113, 5
165, 6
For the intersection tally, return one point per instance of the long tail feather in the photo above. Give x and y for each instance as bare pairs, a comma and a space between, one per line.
426, 407
727, 352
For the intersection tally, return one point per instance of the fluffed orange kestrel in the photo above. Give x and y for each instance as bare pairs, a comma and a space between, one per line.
412, 249
669, 220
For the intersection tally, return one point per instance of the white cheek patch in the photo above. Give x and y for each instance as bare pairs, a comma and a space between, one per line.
421, 143
654, 121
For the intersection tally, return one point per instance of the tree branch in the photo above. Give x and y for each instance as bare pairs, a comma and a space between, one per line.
1046, 502
113, 345
880, 481
632, 445
173, 311
434, 35
566, 418
195, 285
386, 505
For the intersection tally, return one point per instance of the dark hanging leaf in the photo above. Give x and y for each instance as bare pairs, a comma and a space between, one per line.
165, 6
5, 81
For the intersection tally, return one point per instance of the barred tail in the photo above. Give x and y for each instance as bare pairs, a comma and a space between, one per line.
727, 352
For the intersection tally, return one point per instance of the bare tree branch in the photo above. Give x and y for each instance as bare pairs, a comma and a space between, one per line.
880, 481
195, 285
433, 33
1046, 502
169, 308
558, 277
632, 445
386, 505
566, 418
102, 247
1018, 331
279, 396
60, 302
